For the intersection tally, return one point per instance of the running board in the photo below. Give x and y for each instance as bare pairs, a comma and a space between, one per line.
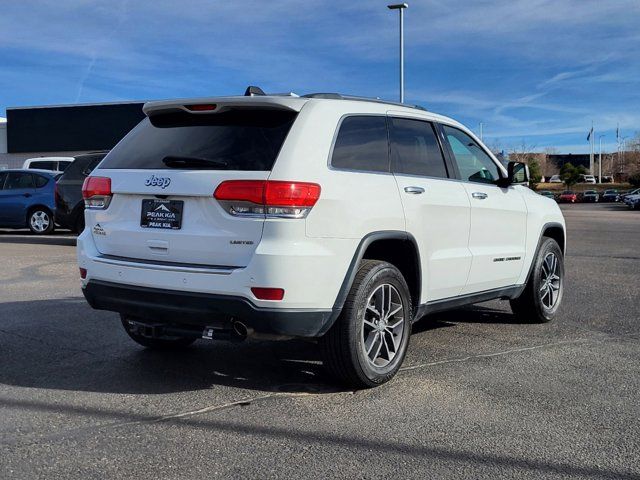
463, 300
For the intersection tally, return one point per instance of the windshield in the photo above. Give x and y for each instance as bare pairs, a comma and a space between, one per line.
232, 140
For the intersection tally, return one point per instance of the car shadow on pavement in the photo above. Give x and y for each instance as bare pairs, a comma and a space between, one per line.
65, 345
477, 314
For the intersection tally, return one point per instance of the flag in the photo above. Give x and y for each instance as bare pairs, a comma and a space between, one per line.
590, 133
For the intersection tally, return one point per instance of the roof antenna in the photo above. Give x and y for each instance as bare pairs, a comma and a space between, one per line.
252, 91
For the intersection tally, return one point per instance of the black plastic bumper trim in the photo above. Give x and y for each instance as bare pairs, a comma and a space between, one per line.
202, 309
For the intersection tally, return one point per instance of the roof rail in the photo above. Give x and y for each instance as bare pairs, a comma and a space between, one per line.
257, 91
338, 96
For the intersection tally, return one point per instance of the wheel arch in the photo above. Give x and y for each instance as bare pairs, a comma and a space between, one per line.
394, 246
554, 230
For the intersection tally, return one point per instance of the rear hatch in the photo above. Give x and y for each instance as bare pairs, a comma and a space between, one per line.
163, 176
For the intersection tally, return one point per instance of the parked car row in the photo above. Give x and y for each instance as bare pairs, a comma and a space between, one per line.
633, 201
570, 196
583, 179
41, 198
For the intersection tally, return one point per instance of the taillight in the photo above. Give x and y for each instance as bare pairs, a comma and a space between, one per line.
56, 194
267, 198
96, 192
83, 273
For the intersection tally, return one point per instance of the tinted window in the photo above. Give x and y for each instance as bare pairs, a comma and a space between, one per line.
232, 140
3, 177
362, 144
40, 181
415, 149
81, 167
43, 165
17, 180
62, 166
474, 164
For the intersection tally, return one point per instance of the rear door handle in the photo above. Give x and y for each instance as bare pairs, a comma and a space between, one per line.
414, 190
479, 195
26, 195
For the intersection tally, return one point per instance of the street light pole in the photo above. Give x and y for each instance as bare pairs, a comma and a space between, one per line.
400, 7
600, 161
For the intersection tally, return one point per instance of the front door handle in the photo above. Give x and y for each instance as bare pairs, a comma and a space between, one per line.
26, 195
414, 190
479, 195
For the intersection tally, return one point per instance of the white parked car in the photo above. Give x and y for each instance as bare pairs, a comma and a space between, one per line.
53, 164
340, 218
588, 179
555, 179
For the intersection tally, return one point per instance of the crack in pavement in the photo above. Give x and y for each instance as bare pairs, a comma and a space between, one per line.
142, 419
489, 355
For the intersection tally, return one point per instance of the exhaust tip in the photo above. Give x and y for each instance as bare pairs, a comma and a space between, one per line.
240, 329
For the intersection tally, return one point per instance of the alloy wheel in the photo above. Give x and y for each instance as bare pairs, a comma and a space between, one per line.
383, 325
39, 221
550, 281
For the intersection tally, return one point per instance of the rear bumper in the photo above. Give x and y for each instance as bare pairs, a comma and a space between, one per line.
204, 310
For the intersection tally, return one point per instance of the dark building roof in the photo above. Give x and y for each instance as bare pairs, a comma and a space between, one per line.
70, 128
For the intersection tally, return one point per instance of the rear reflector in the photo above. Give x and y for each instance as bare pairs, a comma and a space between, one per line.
83, 273
268, 293
201, 108
96, 192
268, 197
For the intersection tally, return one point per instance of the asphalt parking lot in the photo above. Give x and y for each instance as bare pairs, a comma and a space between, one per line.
479, 396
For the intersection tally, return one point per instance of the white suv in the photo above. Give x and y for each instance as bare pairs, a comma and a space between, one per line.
340, 218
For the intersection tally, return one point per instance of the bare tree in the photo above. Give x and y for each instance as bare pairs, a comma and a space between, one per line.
522, 152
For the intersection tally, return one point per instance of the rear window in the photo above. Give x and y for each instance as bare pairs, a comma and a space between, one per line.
232, 140
81, 167
43, 165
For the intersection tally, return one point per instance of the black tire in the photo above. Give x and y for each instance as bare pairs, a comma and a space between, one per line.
538, 304
156, 343
40, 221
344, 345
79, 226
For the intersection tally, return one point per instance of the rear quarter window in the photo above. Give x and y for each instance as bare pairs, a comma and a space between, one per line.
233, 140
40, 181
362, 144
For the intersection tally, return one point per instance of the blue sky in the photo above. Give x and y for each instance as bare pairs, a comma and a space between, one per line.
535, 72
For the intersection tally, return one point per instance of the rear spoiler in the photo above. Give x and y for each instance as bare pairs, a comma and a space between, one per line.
211, 105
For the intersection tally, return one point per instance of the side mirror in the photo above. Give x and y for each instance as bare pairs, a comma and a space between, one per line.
517, 174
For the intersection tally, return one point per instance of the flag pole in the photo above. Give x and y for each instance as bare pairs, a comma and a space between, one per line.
591, 156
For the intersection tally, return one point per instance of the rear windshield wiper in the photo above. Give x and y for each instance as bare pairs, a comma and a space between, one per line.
174, 161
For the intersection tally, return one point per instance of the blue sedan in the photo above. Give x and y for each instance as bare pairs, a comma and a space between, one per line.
27, 199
